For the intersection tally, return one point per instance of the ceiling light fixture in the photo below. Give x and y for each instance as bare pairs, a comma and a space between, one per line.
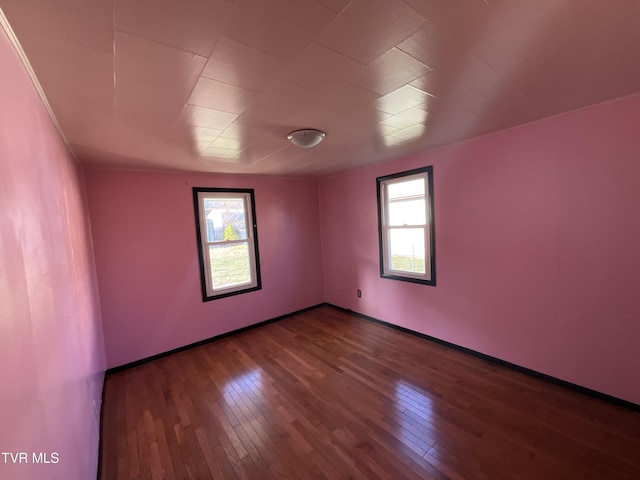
306, 138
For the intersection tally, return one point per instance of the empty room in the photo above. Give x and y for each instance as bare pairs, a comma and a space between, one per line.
319, 239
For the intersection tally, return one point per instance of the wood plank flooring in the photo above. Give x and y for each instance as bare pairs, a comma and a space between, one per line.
326, 395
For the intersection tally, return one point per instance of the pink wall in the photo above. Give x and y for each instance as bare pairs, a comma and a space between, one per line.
537, 247
147, 259
51, 348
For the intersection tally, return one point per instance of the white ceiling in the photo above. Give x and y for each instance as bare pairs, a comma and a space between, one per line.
216, 85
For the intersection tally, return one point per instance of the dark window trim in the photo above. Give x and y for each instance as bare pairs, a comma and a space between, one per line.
203, 281
432, 230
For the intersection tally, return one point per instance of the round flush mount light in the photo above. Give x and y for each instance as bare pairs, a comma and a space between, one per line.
306, 138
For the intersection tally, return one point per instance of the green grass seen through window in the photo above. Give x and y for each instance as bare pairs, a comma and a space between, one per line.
406, 263
229, 265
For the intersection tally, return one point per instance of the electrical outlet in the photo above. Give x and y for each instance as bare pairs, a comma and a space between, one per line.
359, 293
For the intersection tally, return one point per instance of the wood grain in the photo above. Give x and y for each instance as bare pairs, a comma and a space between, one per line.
327, 395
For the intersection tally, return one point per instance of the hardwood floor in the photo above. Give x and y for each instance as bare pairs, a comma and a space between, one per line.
326, 395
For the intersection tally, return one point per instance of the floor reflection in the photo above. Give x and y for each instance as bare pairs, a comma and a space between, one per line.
243, 408
246, 384
416, 418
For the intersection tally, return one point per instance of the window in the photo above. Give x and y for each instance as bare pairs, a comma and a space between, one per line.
406, 230
227, 241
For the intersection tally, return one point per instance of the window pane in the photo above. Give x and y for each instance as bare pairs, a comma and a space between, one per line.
406, 249
406, 202
230, 265
410, 188
225, 219
407, 212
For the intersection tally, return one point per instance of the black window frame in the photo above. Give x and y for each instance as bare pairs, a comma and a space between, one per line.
430, 241
253, 225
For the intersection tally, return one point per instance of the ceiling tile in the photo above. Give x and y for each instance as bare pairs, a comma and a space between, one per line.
284, 155
407, 118
263, 117
282, 28
497, 53
88, 127
423, 47
244, 134
190, 25
344, 136
389, 72
340, 160
402, 99
451, 125
386, 129
237, 64
320, 68
142, 101
74, 77
410, 133
290, 165
207, 117
97, 157
454, 33
512, 103
367, 117
346, 98
436, 9
313, 117
143, 60
189, 138
286, 97
85, 23
478, 76
227, 143
468, 100
509, 12
261, 149
92, 130
216, 152
65, 61
201, 146
366, 29
204, 135
334, 5
427, 83
221, 96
